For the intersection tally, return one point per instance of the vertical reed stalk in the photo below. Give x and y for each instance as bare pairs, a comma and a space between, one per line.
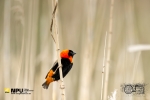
103, 70
108, 50
56, 39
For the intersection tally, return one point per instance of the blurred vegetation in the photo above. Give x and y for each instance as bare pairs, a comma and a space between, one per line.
27, 50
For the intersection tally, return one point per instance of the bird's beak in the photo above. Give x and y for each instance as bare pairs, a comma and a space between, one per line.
74, 53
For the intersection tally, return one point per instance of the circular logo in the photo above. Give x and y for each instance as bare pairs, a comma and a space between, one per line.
128, 89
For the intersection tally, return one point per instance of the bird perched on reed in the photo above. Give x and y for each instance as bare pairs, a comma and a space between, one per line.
67, 63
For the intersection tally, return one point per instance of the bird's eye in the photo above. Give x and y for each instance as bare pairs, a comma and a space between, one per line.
70, 53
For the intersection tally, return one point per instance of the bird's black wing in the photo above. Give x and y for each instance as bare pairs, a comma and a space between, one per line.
66, 70
55, 65
66, 66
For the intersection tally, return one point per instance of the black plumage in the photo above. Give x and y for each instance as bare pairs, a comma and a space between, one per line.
66, 67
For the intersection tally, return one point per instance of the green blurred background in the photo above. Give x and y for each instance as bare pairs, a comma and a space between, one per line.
27, 50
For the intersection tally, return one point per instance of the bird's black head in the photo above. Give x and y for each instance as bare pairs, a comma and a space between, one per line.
71, 53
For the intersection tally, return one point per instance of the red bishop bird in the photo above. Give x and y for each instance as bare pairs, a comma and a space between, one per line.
67, 63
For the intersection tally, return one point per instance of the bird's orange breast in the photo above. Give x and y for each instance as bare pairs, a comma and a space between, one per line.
70, 58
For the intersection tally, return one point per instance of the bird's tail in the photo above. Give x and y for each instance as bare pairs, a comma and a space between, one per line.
47, 82
45, 85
